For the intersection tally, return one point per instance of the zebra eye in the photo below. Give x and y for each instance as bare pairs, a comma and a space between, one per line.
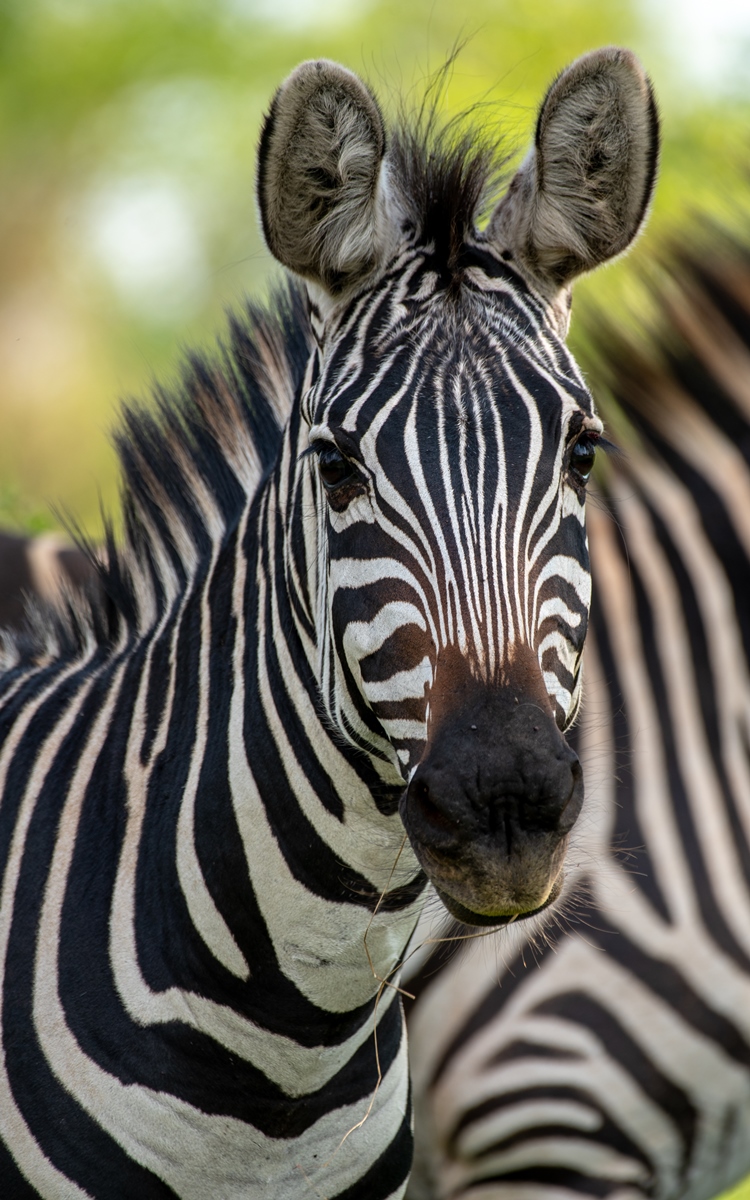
341, 478
582, 457
333, 467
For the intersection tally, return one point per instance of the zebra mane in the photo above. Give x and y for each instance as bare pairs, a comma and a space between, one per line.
189, 463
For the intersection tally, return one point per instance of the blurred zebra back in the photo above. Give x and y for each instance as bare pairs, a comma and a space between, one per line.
38, 567
608, 1053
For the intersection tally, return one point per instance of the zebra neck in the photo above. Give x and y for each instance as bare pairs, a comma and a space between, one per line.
282, 853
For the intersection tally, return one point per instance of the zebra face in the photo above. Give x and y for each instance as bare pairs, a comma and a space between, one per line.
449, 456
443, 444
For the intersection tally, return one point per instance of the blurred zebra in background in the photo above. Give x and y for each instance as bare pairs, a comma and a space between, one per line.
40, 566
609, 1055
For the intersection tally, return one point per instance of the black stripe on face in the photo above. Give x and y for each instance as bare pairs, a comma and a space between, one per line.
447, 470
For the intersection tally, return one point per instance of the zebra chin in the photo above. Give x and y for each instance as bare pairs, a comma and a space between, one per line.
468, 917
483, 886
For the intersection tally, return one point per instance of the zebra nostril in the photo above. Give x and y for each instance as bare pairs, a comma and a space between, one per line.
429, 808
572, 806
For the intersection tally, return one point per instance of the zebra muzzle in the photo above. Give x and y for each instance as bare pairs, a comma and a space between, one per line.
490, 806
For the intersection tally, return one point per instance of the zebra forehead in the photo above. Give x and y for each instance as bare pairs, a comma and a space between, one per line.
462, 408
479, 358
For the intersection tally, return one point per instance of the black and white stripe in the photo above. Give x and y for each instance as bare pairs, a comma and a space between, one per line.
358, 529
615, 1060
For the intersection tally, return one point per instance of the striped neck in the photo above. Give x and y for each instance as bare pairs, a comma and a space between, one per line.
286, 839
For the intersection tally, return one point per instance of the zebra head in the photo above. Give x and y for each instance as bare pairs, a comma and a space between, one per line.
443, 443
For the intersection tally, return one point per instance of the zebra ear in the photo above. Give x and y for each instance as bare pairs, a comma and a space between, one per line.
319, 172
582, 193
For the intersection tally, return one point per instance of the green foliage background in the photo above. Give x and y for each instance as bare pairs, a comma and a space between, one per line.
127, 146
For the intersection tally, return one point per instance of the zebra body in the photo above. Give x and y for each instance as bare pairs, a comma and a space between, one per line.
618, 1063
224, 785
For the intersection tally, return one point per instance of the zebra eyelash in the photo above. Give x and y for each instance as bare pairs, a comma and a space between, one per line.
600, 442
611, 449
342, 443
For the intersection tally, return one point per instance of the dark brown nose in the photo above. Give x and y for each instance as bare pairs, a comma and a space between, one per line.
499, 769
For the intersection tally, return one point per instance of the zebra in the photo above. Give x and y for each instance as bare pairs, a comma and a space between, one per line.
618, 1064
354, 554
41, 566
